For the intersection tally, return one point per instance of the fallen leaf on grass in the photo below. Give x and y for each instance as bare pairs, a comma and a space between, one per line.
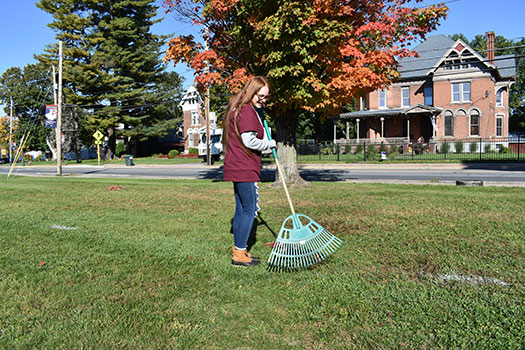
115, 188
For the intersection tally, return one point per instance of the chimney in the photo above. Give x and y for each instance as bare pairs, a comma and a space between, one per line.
490, 46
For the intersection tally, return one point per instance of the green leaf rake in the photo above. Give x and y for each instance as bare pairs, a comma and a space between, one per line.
301, 241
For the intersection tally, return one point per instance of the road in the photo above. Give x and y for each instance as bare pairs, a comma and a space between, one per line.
490, 174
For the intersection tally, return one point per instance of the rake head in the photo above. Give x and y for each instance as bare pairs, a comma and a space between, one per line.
301, 243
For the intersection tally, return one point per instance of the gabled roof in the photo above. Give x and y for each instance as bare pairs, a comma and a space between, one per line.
430, 52
191, 96
433, 51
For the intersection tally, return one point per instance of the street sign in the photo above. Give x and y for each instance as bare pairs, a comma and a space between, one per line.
98, 135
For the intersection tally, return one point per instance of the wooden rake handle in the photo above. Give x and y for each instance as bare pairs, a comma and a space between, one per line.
274, 151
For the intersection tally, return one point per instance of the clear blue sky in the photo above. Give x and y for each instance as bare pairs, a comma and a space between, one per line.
24, 31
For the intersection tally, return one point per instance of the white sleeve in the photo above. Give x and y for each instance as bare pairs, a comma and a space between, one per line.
251, 141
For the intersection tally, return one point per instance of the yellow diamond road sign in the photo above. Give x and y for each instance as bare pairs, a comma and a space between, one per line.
98, 135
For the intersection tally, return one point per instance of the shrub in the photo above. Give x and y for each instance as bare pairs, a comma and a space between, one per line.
193, 151
459, 145
445, 147
359, 149
348, 149
488, 148
371, 153
420, 148
173, 153
473, 147
326, 151
505, 150
120, 148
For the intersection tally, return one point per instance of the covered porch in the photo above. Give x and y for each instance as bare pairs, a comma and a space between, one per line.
412, 124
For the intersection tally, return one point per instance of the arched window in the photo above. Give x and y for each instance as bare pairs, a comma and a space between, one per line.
449, 123
474, 122
499, 98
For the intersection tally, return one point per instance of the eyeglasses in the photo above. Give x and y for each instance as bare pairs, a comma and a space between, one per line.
262, 97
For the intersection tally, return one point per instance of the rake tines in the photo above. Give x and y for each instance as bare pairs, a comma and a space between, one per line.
302, 245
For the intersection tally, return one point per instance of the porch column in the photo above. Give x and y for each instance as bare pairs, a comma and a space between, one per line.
382, 127
347, 130
408, 129
335, 131
357, 127
434, 127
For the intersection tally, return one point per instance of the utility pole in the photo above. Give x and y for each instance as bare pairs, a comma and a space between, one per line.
54, 86
207, 106
59, 108
11, 132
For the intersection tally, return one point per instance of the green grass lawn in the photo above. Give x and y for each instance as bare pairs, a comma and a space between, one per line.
149, 267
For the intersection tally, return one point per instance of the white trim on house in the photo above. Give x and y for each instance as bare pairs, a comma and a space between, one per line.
453, 48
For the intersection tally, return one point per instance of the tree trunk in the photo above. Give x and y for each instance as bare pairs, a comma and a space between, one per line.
112, 138
285, 135
51, 143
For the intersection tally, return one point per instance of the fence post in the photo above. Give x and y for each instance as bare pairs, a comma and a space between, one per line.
480, 144
364, 151
320, 148
412, 148
519, 147
338, 149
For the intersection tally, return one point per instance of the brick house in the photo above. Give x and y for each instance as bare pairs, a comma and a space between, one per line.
449, 92
194, 123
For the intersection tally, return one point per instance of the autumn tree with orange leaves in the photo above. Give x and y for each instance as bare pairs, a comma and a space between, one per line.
317, 54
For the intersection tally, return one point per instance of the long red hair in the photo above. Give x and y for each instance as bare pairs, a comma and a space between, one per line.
245, 96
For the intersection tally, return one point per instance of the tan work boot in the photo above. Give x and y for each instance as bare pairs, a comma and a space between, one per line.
242, 258
247, 254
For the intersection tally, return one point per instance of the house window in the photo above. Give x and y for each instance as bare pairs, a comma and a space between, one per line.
499, 125
382, 98
499, 98
405, 96
191, 142
474, 123
449, 124
428, 93
195, 120
460, 92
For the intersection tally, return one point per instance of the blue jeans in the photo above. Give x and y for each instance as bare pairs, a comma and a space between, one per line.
246, 200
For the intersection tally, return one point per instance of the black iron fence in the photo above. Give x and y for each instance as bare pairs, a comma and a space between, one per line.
471, 149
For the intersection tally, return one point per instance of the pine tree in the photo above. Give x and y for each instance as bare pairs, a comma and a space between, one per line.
112, 67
